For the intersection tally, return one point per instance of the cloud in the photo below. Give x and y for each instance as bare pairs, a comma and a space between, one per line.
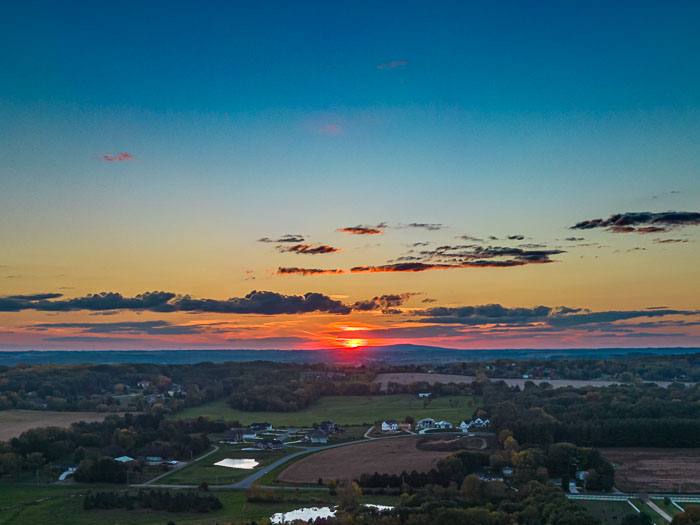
119, 157
291, 238
36, 296
393, 64
551, 317
575, 239
308, 249
91, 339
364, 230
262, 303
516, 237
385, 303
132, 327
330, 128
642, 222
401, 267
307, 271
425, 226
470, 238
669, 241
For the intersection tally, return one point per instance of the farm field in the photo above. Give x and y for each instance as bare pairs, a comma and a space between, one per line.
608, 512
205, 470
390, 456
346, 410
655, 470
408, 378
65, 507
14, 422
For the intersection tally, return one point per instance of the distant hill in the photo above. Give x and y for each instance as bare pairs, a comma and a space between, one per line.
394, 354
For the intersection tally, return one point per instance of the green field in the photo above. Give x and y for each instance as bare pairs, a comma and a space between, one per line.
608, 512
205, 470
62, 509
346, 410
656, 518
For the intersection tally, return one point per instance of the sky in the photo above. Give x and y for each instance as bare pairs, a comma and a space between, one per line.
346, 174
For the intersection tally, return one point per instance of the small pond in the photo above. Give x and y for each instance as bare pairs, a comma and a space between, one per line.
238, 463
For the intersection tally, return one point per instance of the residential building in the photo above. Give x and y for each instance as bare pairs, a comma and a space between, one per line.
389, 425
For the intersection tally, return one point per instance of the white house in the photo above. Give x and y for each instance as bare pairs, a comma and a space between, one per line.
474, 424
443, 425
123, 459
389, 425
423, 394
428, 422
249, 433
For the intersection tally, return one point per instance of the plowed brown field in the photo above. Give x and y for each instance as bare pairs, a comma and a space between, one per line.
386, 456
655, 469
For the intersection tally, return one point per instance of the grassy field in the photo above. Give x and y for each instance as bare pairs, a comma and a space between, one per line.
62, 509
205, 470
346, 410
14, 422
608, 512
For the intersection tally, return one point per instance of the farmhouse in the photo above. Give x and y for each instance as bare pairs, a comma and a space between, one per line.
154, 459
389, 425
423, 394
316, 436
249, 433
261, 427
269, 444
443, 425
144, 383
232, 436
328, 427
427, 422
123, 459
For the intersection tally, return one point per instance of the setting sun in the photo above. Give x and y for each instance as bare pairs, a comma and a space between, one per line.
354, 343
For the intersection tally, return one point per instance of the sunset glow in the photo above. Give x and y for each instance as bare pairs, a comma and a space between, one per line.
504, 185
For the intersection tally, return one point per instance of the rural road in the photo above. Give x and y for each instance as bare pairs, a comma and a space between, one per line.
661, 512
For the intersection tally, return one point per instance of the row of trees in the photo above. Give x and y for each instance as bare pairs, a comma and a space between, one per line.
152, 499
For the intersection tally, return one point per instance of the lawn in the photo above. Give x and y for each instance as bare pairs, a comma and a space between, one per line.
205, 470
608, 512
346, 410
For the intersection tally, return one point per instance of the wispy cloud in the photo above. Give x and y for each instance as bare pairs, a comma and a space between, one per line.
119, 157
670, 241
307, 271
330, 128
424, 225
364, 230
392, 64
311, 249
288, 237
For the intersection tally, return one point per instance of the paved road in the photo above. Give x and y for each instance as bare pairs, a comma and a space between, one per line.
661, 512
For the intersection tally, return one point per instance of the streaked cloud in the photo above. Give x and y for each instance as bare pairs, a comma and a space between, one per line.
119, 157
307, 271
392, 64
286, 238
311, 249
364, 230
642, 222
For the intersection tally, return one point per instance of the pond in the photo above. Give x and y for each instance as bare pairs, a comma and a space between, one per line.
311, 513
237, 463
